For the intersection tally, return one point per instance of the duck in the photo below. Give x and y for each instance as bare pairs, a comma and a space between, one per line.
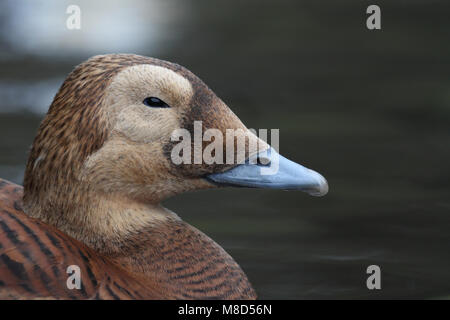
98, 169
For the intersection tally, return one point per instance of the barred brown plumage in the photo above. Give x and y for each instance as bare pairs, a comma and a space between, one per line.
98, 169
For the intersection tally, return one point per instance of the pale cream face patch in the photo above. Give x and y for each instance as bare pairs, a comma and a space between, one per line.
136, 121
131, 161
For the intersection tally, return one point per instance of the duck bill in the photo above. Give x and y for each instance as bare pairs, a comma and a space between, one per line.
276, 172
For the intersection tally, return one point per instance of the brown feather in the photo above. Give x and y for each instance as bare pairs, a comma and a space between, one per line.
34, 258
92, 190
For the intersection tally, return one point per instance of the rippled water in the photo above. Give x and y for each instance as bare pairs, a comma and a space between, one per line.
369, 110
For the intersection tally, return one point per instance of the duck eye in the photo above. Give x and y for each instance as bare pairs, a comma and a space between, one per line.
155, 103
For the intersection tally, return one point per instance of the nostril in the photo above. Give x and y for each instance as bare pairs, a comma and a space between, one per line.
263, 161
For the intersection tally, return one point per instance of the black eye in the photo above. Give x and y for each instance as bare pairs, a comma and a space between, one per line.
155, 102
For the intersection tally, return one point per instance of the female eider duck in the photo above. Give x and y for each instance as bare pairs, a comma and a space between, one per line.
98, 169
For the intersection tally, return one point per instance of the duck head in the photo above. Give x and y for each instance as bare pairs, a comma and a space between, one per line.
110, 133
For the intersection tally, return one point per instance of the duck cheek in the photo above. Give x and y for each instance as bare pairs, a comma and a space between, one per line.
139, 124
181, 163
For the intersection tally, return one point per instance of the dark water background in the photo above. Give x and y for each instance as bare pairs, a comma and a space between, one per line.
370, 110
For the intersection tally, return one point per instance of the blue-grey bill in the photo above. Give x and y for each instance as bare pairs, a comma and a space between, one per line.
277, 173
